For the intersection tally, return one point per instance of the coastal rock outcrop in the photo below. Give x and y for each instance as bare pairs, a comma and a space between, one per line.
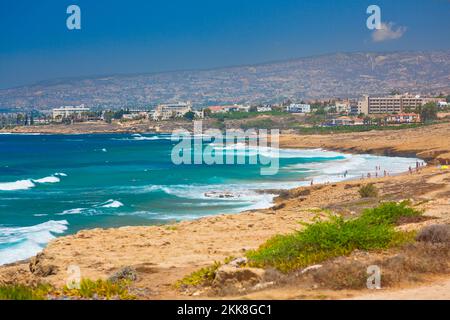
126, 273
41, 269
229, 275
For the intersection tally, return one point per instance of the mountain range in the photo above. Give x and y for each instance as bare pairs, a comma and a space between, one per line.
338, 75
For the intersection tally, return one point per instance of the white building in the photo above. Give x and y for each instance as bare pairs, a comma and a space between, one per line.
229, 108
136, 115
172, 110
342, 107
199, 114
298, 108
66, 112
264, 109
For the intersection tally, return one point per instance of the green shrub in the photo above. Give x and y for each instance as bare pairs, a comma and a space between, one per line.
259, 123
368, 191
200, 277
21, 292
101, 289
389, 213
322, 240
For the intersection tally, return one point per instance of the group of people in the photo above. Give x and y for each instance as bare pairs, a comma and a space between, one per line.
377, 174
419, 166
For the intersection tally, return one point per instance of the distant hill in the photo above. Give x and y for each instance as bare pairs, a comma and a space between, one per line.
332, 75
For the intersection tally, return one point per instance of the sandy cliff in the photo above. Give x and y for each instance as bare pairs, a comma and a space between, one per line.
161, 255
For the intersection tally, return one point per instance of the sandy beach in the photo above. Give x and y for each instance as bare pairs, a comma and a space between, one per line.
161, 255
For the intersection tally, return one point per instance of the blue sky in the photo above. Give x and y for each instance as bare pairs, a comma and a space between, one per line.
136, 36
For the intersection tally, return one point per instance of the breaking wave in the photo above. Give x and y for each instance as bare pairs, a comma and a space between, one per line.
19, 243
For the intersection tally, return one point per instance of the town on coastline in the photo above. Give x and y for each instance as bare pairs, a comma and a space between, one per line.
374, 111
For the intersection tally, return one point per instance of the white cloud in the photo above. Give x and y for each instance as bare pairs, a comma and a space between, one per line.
388, 32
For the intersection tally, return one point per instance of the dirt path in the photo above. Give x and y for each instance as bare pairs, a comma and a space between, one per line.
439, 290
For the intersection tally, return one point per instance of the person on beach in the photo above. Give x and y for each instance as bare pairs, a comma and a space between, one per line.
312, 182
385, 173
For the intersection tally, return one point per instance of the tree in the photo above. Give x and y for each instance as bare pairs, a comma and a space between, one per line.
207, 112
189, 115
253, 109
428, 112
108, 116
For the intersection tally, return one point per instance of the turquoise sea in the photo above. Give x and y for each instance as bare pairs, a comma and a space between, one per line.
53, 185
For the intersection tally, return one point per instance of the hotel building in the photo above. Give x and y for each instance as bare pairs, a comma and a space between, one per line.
66, 112
390, 104
174, 110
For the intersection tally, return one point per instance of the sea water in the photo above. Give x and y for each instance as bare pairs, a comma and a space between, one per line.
53, 185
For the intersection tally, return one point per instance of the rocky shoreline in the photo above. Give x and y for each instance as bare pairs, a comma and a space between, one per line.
162, 255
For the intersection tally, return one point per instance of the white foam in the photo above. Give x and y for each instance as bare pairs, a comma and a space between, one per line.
71, 212
17, 185
30, 183
60, 174
50, 179
112, 204
138, 137
241, 148
24, 242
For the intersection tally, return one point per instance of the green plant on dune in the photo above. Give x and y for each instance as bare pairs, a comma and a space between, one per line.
204, 276
368, 191
322, 240
101, 289
200, 277
22, 292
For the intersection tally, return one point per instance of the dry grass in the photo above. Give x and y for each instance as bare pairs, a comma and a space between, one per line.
409, 264
438, 233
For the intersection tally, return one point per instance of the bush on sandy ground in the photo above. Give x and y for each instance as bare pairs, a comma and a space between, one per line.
323, 240
204, 276
407, 265
100, 289
368, 191
437, 233
21, 292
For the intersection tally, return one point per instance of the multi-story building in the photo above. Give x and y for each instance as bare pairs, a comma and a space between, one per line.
298, 108
342, 106
172, 110
58, 114
389, 104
